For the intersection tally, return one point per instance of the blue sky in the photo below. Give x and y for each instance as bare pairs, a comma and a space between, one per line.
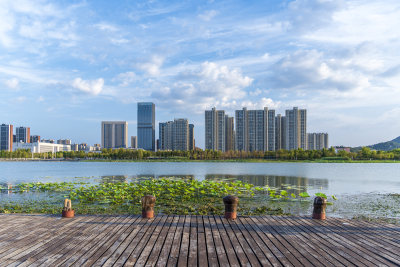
67, 65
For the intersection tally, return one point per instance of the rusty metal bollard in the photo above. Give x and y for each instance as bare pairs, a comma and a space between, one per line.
319, 208
148, 203
231, 203
67, 211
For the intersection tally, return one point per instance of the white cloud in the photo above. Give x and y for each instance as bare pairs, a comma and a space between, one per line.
106, 27
152, 67
208, 15
93, 87
12, 83
207, 85
126, 78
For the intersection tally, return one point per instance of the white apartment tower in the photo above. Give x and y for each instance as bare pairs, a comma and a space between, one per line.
296, 129
114, 134
215, 129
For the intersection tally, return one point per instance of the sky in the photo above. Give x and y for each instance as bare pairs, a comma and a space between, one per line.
65, 66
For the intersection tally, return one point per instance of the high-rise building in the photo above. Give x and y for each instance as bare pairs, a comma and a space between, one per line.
180, 135
35, 138
192, 143
296, 129
133, 142
215, 129
241, 141
175, 135
317, 141
114, 134
6, 137
255, 130
280, 139
22, 134
229, 133
146, 125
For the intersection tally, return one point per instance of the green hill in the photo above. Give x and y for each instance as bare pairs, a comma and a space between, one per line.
387, 146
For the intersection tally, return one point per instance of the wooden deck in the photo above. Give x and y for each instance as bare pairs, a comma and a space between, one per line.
40, 240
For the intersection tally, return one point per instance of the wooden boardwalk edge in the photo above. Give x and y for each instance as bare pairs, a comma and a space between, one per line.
179, 240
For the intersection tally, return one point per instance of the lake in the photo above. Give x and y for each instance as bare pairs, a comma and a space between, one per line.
376, 185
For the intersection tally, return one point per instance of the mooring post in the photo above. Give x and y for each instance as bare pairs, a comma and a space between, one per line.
319, 208
231, 203
67, 211
148, 203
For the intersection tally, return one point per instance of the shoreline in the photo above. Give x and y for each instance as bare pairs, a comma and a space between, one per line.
190, 160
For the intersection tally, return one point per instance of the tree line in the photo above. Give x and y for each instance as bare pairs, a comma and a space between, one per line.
128, 154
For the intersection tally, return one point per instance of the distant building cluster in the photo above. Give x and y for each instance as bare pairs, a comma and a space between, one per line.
249, 130
23, 140
260, 130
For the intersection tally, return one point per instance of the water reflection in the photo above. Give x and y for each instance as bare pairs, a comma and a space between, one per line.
292, 184
274, 181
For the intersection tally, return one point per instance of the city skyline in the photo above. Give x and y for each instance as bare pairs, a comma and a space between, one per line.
68, 65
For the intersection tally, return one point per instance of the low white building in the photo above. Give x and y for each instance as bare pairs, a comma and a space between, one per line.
40, 147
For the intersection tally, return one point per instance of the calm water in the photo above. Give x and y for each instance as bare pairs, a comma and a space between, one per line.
363, 189
332, 178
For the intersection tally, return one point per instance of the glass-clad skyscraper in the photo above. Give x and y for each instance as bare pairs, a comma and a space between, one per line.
146, 125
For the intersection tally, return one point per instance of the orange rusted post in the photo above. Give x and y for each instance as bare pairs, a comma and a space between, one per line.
148, 203
231, 203
67, 211
319, 208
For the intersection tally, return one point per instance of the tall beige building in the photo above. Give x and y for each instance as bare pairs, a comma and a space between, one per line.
296, 129
114, 134
229, 133
255, 130
134, 142
215, 129
176, 135
317, 141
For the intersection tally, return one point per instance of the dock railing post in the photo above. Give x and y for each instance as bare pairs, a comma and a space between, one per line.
67, 211
231, 203
148, 203
319, 208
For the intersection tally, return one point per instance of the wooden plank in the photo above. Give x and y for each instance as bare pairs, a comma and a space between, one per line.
166, 249
229, 248
311, 244
176, 243
39, 238
270, 235
219, 246
160, 242
192, 259
330, 237
135, 228
237, 248
329, 247
254, 254
298, 251
367, 248
268, 243
196, 240
109, 246
141, 261
184, 249
131, 254
24, 238
80, 256
251, 234
205, 251
38, 256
